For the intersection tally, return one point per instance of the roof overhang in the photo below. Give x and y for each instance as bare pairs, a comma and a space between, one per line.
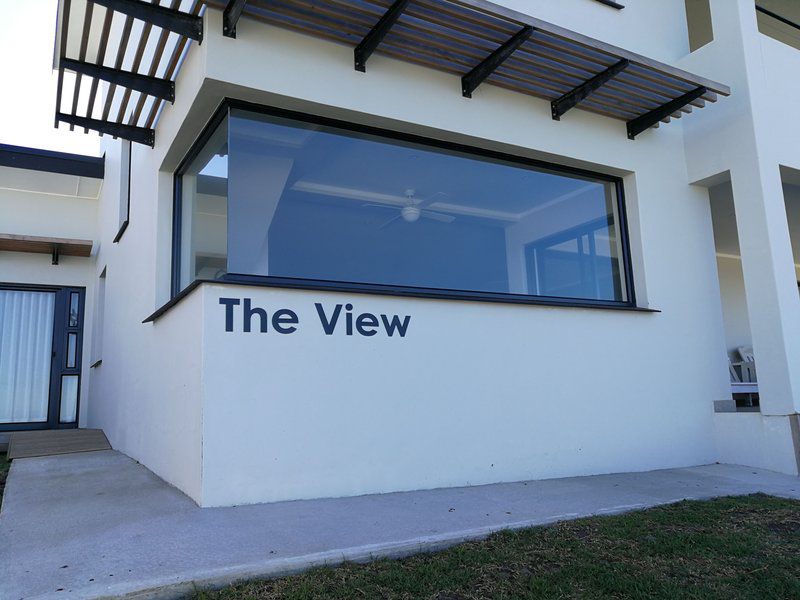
34, 159
135, 49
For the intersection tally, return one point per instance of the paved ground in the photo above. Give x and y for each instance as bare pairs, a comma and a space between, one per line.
97, 524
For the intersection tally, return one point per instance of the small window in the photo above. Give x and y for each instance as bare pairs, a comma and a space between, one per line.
69, 398
124, 188
72, 349
74, 309
99, 318
698, 19
281, 197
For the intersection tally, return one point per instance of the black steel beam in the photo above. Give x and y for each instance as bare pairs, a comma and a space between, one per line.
612, 4
231, 16
182, 23
152, 86
647, 120
574, 97
471, 81
141, 135
373, 39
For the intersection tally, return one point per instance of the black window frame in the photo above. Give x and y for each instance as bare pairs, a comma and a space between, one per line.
228, 104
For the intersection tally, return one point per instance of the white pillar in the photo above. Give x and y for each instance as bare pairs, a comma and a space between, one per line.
770, 283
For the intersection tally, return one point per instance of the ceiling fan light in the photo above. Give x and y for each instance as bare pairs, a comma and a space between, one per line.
410, 214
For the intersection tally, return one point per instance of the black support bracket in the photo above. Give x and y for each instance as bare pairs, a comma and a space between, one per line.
182, 23
152, 86
647, 120
373, 39
56, 252
574, 97
471, 81
140, 135
231, 16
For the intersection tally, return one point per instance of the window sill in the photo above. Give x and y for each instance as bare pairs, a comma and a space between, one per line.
382, 290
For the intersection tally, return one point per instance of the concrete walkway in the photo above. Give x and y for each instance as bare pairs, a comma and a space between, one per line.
99, 524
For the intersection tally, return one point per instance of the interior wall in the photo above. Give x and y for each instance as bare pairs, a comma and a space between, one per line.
734, 305
776, 29
699, 23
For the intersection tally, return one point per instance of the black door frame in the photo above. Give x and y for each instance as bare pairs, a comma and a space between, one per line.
58, 364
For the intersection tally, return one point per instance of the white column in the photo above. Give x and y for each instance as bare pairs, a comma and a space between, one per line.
770, 284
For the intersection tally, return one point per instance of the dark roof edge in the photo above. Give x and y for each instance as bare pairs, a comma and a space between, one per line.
49, 161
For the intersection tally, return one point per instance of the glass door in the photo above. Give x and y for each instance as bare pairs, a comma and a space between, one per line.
41, 331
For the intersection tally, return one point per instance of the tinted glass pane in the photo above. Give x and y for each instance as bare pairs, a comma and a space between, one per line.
26, 350
74, 309
314, 202
72, 349
69, 399
204, 191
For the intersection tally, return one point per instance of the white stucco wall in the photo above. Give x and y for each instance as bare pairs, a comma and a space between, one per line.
59, 206
476, 392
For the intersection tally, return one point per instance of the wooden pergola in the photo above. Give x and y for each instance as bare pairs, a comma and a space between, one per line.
479, 41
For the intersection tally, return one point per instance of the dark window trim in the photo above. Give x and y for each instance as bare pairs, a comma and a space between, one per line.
60, 331
385, 290
177, 205
612, 4
48, 161
123, 226
268, 281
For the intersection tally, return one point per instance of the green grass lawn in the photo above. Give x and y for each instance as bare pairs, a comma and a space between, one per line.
746, 547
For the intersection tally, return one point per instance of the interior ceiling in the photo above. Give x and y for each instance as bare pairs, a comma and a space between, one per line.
59, 184
474, 39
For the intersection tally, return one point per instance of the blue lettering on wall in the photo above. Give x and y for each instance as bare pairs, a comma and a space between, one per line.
337, 319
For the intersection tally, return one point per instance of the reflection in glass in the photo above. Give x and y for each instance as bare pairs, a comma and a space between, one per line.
69, 399
74, 308
204, 193
72, 349
308, 201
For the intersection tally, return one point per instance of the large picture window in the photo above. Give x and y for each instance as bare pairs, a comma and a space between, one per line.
290, 200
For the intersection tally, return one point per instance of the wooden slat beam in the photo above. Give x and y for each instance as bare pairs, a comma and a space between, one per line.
498, 11
45, 245
373, 39
153, 86
182, 23
231, 16
574, 97
478, 75
647, 120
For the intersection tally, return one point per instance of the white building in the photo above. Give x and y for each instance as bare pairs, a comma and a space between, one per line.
307, 280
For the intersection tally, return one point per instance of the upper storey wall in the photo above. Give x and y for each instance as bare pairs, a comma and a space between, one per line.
654, 29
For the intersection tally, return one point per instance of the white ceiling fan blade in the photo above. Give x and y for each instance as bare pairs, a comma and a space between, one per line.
390, 221
380, 206
436, 216
431, 199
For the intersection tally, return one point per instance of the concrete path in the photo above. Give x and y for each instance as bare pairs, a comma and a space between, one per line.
99, 524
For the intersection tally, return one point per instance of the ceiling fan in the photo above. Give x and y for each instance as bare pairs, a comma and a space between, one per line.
414, 208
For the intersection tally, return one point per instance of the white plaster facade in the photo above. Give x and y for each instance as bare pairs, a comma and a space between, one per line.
477, 392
